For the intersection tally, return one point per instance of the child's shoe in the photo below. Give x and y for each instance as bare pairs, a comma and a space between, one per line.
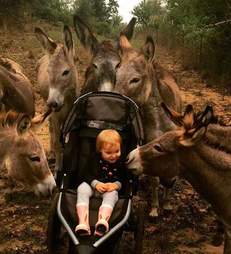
102, 225
83, 228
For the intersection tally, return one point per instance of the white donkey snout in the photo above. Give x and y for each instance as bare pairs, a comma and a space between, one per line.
133, 162
46, 187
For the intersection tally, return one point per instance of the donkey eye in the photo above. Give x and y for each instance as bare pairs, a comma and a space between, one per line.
158, 148
65, 72
117, 66
34, 158
134, 80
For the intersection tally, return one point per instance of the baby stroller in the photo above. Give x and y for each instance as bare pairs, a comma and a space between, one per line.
90, 114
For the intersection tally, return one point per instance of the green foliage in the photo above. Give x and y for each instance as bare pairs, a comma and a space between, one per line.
101, 15
148, 13
84, 10
53, 10
194, 26
113, 8
13, 11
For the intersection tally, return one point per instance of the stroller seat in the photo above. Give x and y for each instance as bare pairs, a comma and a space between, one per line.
92, 113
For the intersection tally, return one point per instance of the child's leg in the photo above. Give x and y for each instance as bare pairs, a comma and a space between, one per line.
84, 192
105, 211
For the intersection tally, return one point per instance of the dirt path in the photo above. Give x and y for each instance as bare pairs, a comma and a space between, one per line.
23, 218
194, 89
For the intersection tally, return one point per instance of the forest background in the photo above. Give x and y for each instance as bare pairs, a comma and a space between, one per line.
199, 31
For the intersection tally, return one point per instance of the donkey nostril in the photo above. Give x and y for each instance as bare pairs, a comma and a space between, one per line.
53, 104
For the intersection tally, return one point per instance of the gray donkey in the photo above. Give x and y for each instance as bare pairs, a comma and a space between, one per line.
143, 80
200, 152
57, 77
23, 154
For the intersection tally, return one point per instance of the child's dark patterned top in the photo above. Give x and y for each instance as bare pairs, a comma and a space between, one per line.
109, 172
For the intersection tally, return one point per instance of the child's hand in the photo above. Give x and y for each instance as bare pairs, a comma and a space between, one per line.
111, 187
101, 187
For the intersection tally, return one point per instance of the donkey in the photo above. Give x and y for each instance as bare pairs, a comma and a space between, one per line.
15, 88
57, 78
101, 72
23, 154
143, 80
198, 150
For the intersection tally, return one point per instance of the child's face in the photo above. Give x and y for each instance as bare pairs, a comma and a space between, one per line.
110, 152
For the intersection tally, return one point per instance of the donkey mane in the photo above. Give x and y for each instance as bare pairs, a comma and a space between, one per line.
60, 50
9, 118
10, 68
6, 64
108, 45
216, 137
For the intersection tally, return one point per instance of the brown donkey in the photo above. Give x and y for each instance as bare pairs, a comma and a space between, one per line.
201, 154
101, 72
143, 80
23, 154
15, 88
57, 77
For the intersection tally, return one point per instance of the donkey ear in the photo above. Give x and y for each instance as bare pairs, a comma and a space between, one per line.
188, 117
206, 117
176, 117
47, 43
129, 29
149, 48
124, 44
23, 123
194, 139
68, 38
86, 37
127, 32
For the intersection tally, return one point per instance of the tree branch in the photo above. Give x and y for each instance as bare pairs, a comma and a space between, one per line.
218, 23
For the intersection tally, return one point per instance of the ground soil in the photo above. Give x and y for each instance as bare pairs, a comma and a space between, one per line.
189, 228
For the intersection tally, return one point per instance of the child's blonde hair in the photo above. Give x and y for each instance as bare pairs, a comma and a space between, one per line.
109, 136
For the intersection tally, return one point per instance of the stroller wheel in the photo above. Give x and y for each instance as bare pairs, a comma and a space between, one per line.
57, 238
139, 231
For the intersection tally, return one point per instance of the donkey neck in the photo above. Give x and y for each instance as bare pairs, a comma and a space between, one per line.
219, 137
155, 120
6, 141
208, 169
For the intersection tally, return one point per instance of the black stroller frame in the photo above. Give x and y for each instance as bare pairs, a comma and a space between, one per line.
75, 244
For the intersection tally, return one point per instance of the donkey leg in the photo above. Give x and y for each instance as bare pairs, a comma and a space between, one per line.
167, 206
51, 157
218, 237
154, 197
57, 147
227, 245
167, 184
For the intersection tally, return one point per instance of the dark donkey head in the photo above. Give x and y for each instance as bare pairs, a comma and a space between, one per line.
167, 151
101, 73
